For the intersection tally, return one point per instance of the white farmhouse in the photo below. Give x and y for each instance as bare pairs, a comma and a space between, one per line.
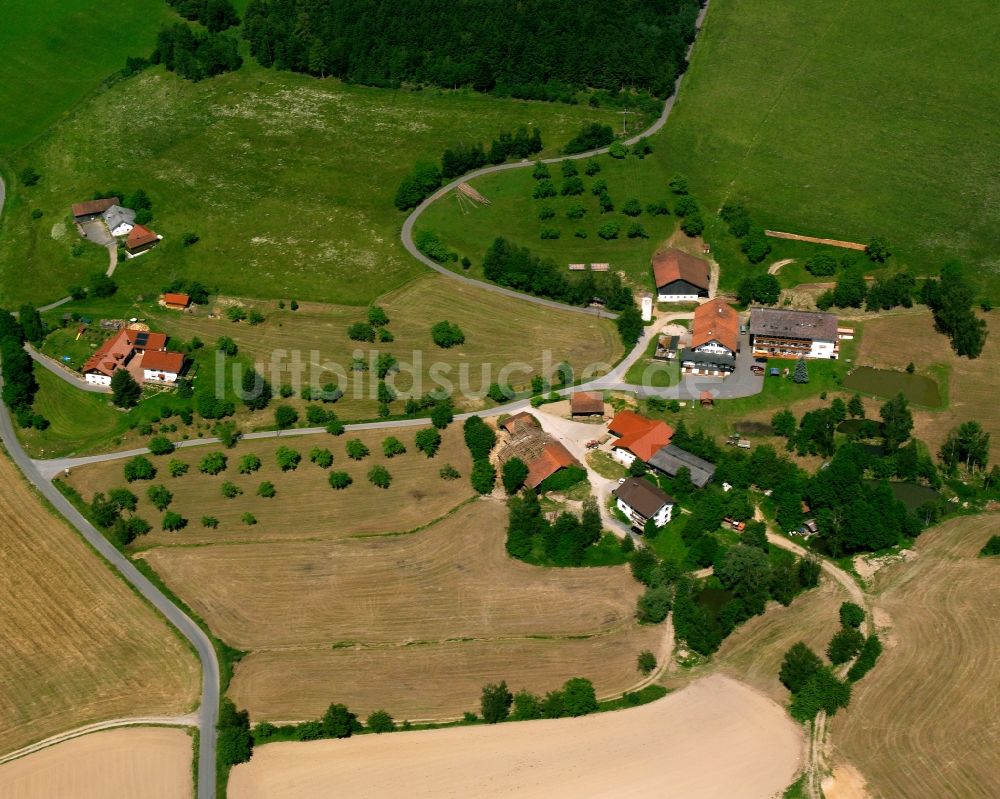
777, 333
641, 501
119, 220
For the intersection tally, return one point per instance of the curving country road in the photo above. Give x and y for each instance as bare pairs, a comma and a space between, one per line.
406, 234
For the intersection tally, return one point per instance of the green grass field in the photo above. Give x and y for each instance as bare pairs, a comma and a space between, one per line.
849, 120
288, 181
513, 214
55, 52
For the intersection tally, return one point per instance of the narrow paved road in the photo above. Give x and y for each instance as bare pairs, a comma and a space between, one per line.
406, 234
208, 713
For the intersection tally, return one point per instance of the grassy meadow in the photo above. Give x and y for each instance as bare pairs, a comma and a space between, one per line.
56, 52
287, 180
810, 115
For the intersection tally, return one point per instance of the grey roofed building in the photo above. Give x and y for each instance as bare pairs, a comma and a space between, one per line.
643, 496
726, 363
670, 459
807, 325
117, 215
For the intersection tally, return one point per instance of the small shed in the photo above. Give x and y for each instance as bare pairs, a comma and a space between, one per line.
176, 301
600, 267
587, 403
577, 267
706, 399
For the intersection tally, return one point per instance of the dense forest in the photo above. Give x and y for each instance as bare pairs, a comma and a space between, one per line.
545, 49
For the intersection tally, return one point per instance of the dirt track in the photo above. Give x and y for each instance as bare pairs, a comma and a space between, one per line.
714, 738
847, 245
154, 763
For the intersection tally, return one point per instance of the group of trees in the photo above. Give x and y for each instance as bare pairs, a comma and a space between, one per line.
480, 439
19, 385
216, 15
813, 684
967, 445
519, 268
754, 242
951, 298
195, 54
488, 45
591, 136
576, 698
116, 513
465, 157
564, 542
763, 289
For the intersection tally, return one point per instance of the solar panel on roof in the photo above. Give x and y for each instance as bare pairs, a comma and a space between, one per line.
141, 339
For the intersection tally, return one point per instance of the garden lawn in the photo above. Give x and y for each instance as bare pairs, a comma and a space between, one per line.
287, 180
806, 112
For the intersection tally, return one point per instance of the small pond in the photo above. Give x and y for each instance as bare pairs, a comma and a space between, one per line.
919, 389
851, 427
714, 598
913, 495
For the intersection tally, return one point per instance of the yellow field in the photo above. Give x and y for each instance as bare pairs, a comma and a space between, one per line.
78, 645
923, 723
416, 623
305, 506
716, 738
154, 763
893, 341
498, 331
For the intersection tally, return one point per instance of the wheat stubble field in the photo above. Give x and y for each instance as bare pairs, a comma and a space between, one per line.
151, 762
78, 645
924, 722
413, 623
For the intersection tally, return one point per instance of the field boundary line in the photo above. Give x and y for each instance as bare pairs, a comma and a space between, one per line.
847, 245
190, 720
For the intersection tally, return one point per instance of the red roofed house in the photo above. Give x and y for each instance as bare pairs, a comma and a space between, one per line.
140, 239
715, 339
553, 458
638, 437
679, 277
176, 302
134, 350
92, 209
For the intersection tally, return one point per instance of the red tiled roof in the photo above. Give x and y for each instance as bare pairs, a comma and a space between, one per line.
139, 236
715, 320
639, 435
670, 265
112, 353
177, 299
553, 458
154, 341
94, 206
157, 361
587, 402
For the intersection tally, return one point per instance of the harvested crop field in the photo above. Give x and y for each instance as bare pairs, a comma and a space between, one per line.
154, 763
305, 506
453, 579
79, 646
715, 738
413, 623
893, 341
432, 681
923, 723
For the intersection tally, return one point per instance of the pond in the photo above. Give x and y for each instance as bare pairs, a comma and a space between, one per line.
714, 598
919, 389
913, 495
851, 427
